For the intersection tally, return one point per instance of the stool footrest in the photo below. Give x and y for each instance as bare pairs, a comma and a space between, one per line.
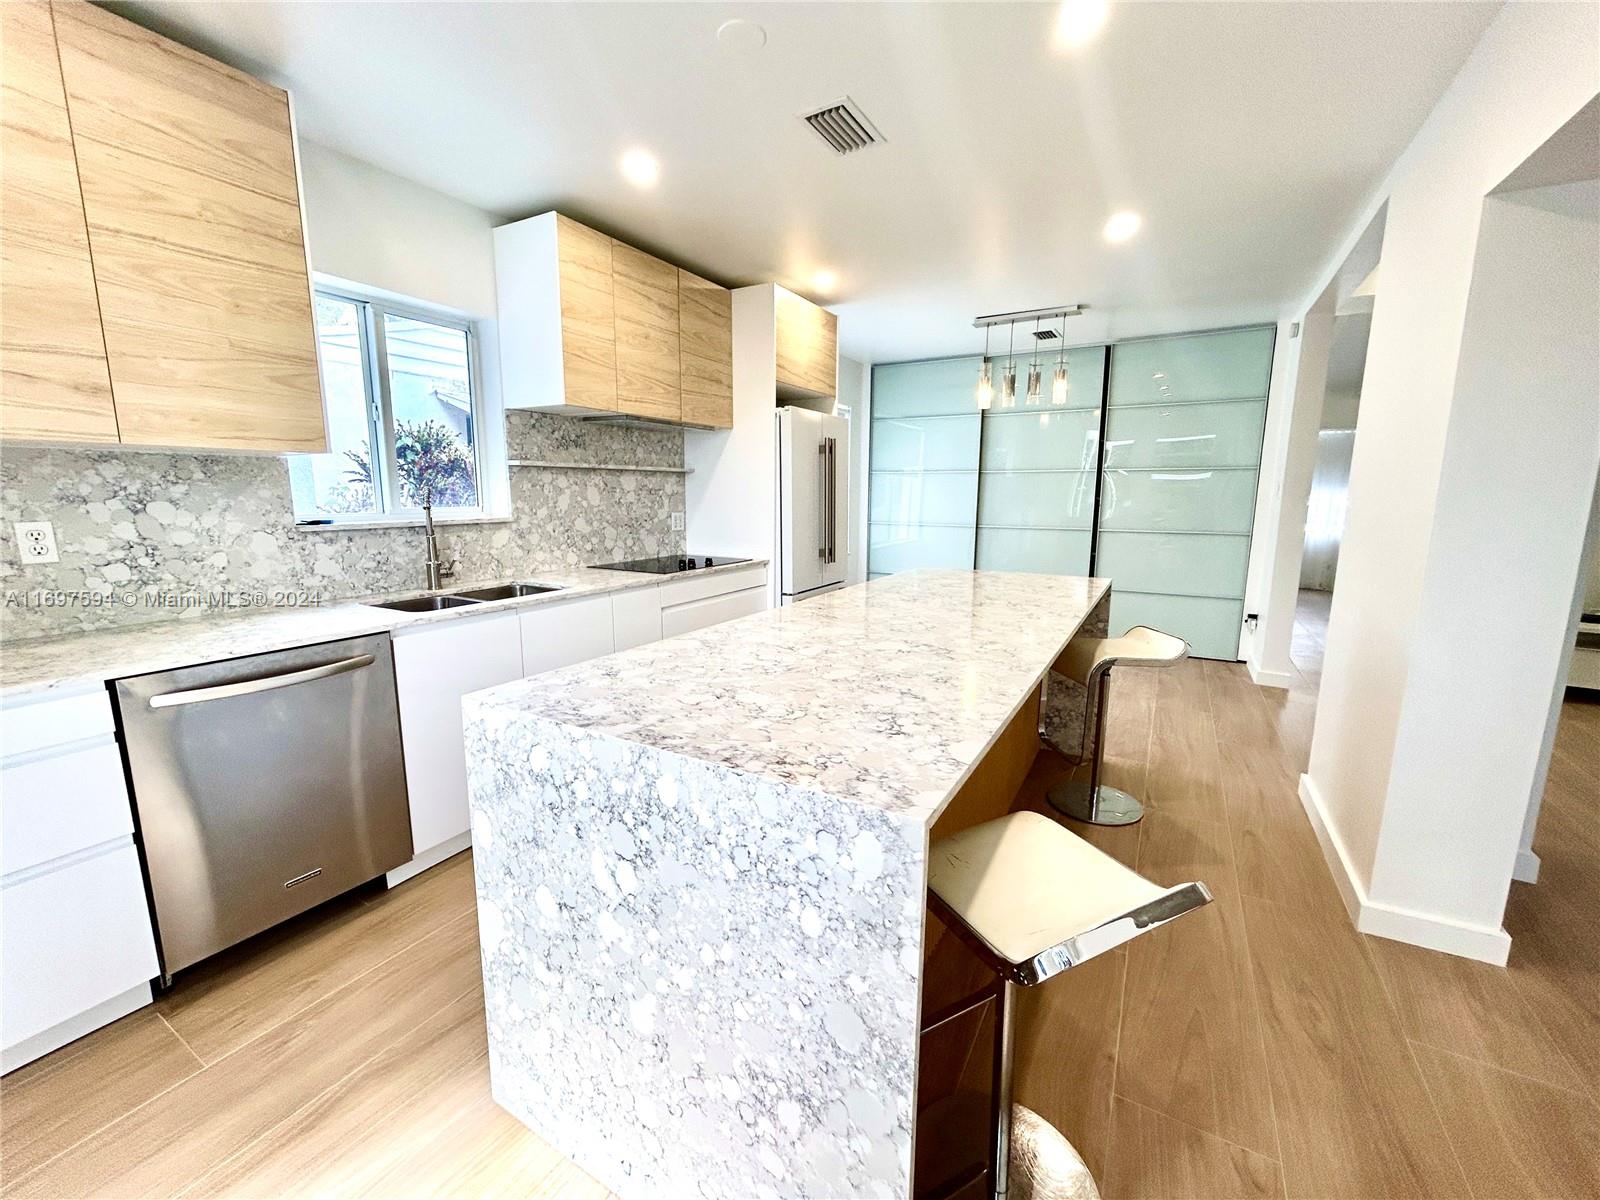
1170, 905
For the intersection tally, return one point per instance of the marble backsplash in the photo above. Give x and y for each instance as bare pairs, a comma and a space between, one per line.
147, 536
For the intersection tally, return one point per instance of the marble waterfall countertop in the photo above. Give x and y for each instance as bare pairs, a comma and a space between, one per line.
701, 870
198, 635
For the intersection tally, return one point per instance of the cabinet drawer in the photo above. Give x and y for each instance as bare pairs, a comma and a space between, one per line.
75, 937
27, 725
713, 610
700, 587
52, 805
558, 635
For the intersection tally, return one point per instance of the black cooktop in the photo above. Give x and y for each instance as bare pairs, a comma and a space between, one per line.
671, 564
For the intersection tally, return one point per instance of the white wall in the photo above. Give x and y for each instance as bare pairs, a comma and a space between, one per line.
1294, 409
855, 389
365, 226
370, 227
1325, 510
1535, 67
1520, 464
731, 497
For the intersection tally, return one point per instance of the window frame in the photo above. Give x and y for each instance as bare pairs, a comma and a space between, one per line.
371, 308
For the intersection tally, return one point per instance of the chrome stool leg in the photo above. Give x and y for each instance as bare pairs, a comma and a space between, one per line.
1002, 1088
1091, 801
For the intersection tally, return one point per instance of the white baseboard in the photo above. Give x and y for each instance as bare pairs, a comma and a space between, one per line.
73, 1028
1527, 868
429, 858
1390, 921
1263, 677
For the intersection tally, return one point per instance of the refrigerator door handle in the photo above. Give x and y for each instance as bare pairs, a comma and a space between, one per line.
833, 499
822, 525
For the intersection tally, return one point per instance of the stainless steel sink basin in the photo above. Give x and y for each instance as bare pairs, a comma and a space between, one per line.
425, 603
505, 591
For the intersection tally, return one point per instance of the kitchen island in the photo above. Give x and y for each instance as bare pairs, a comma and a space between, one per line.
701, 877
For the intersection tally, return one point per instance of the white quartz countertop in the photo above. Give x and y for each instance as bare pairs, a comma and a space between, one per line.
77, 660
884, 694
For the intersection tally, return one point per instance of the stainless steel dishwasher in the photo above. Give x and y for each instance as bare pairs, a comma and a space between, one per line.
263, 786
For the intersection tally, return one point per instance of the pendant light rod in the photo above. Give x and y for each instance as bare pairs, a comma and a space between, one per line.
1032, 314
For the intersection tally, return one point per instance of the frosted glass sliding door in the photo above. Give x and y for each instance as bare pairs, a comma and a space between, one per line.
1177, 498
1037, 483
922, 495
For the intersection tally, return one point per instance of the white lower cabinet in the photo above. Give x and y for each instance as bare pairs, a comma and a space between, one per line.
434, 666
697, 601
76, 935
79, 947
438, 663
713, 610
636, 617
571, 631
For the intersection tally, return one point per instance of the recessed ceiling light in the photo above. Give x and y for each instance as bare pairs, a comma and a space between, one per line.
739, 34
1079, 21
824, 281
1122, 226
640, 168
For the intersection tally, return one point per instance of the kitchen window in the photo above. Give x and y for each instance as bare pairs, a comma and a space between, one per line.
400, 392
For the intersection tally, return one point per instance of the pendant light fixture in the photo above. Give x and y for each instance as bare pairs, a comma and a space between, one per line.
1034, 373
985, 377
1059, 389
1008, 380
1059, 385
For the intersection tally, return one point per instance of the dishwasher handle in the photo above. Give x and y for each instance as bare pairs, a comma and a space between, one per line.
267, 683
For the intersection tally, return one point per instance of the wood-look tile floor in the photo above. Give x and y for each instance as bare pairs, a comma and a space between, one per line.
1262, 1047
1258, 1048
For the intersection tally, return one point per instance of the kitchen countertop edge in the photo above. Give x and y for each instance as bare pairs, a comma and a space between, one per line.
39, 667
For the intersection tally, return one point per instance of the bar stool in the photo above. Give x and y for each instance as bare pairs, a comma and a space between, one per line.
1034, 899
1089, 661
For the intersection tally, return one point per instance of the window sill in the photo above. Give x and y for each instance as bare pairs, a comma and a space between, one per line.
395, 522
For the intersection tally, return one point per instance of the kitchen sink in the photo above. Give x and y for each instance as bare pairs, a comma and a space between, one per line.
425, 603
505, 591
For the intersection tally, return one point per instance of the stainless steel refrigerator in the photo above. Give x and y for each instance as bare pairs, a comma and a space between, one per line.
813, 502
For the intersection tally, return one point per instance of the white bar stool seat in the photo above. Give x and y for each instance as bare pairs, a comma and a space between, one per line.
1033, 899
1089, 661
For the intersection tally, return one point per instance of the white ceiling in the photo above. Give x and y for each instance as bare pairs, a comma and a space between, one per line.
1246, 134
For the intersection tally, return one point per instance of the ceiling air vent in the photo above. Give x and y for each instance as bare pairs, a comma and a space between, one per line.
843, 126
1046, 335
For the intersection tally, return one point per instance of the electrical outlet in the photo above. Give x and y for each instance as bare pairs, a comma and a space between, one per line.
36, 541
677, 522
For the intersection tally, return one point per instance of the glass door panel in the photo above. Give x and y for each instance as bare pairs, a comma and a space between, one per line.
923, 497
1189, 435
923, 485
1210, 626
1208, 499
1177, 497
1234, 364
1193, 564
1036, 495
942, 387
1050, 551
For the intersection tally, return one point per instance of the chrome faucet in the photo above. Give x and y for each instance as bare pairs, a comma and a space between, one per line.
438, 569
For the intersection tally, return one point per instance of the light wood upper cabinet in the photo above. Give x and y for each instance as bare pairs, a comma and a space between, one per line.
648, 366
590, 324
587, 308
808, 346
53, 379
557, 315
189, 184
705, 344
